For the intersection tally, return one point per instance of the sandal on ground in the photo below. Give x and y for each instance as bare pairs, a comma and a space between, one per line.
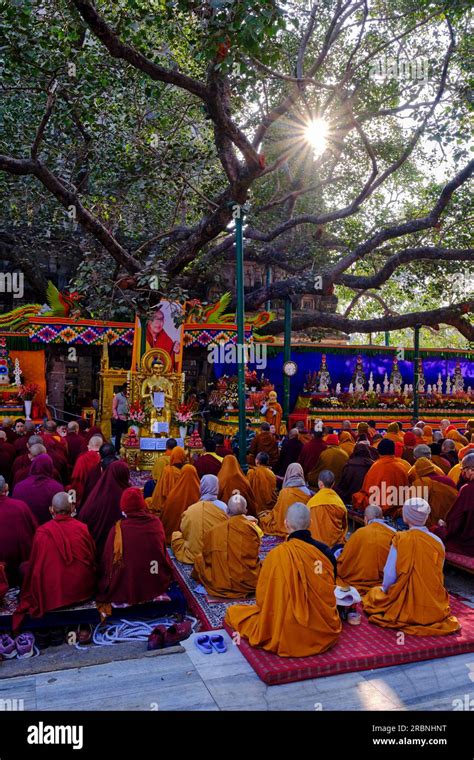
218, 643
203, 644
156, 639
177, 633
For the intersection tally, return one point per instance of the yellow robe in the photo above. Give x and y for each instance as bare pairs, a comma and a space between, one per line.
333, 458
263, 484
328, 517
455, 472
274, 522
198, 520
418, 602
295, 614
364, 556
229, 564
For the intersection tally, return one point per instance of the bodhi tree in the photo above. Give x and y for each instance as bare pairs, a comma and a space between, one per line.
344, 126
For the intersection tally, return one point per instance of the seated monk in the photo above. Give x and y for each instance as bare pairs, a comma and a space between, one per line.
289, 452
7, 455
158, 469
384, 483
61, 569
451, 434
439, 491
101, 509
75, 443
295, 614
346, 442
56, 447
21, 443
209, 463
184, 493
17, 528
232, 478
108, 455
264, 441
197, 520
332, 458
354, 472
263, 483
438, 459
422, 451
84, 464
412, 597
229, 564
168, 480
312, 449
457, 531
294, 489
21, 465
328, 513
393, 433
363, 558
409, 443
38, 488
135, 565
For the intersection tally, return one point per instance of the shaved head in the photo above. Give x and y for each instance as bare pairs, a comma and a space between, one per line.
422, 451
418, 432
95, 443
236, 505
3, 484
448, 445
34, 439
7, 422
262, 458
373, 512
72, 427
61, 504
294, 433
3, 435
327, 478
297, 517
50, 426
37, 449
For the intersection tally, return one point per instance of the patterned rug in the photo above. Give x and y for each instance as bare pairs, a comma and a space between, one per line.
138, 479
363, 647
210, 611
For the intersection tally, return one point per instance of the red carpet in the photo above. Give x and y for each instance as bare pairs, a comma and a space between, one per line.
362, 647
461, 560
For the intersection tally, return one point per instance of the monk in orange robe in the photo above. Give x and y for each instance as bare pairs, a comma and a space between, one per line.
346, 442
159, 465
62, 565
384, 482
198, 520
412, 597
229, 564
363, 558
273, 411
167, 481
294, 489
232, 478
185, 492
452, 434
328, 512
84, 464
393, 433
439, 491
295, 614
263, 483
332, 458
422, 452
264, 441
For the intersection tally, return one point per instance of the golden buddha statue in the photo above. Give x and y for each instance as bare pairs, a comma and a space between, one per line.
156, 383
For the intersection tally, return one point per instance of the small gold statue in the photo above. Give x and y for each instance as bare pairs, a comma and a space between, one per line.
157, 383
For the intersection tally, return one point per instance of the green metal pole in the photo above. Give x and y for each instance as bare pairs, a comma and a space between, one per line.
268, 282
387, 338
286, 358
239, 248
415, 373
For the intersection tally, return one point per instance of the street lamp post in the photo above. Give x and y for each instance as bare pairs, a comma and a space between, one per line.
238, 215
416, 372
287, 357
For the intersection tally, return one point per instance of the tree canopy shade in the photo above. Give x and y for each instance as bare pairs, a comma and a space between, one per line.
344, 125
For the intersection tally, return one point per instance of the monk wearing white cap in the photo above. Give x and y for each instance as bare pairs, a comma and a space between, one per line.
412, 597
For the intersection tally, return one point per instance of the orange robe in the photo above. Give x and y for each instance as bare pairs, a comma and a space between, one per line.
412, 473
459, 440
263, 484
382, 485
333, 458
274, 522
295, 614
417, 603
274, 419
346, 442
364, 556
196, 521
455, 473
440, 496
441, 462
167, 481
185, 492
229, 565
328, 517
230, 478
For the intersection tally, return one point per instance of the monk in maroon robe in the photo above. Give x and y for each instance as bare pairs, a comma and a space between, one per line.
156, 337
209, 463
84, 464
311, 452
7, 455
61, 569
21, 442
38, 489
75, 444
457, 531
101, 509
57, 449
135, 565
17, 528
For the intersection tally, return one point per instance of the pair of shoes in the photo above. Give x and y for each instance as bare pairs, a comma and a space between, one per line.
162, 637
57, 636
21, 647
43, 639
206, 643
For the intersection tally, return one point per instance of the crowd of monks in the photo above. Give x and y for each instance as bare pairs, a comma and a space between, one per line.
72, 527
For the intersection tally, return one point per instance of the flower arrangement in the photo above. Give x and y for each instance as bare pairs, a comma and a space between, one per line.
184, 414
28, 392
137, 414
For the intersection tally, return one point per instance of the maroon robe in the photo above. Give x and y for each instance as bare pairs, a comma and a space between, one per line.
101, 509
353, 473
21, 444
458, 533
126, 573
84, 464
7, 456
21, 470
207, 464
38, 489
10, 433
57, 450
289, 454
310, 454
61, 569
75, 447
17, 528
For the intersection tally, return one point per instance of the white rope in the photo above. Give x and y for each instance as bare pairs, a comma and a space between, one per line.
125, 630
